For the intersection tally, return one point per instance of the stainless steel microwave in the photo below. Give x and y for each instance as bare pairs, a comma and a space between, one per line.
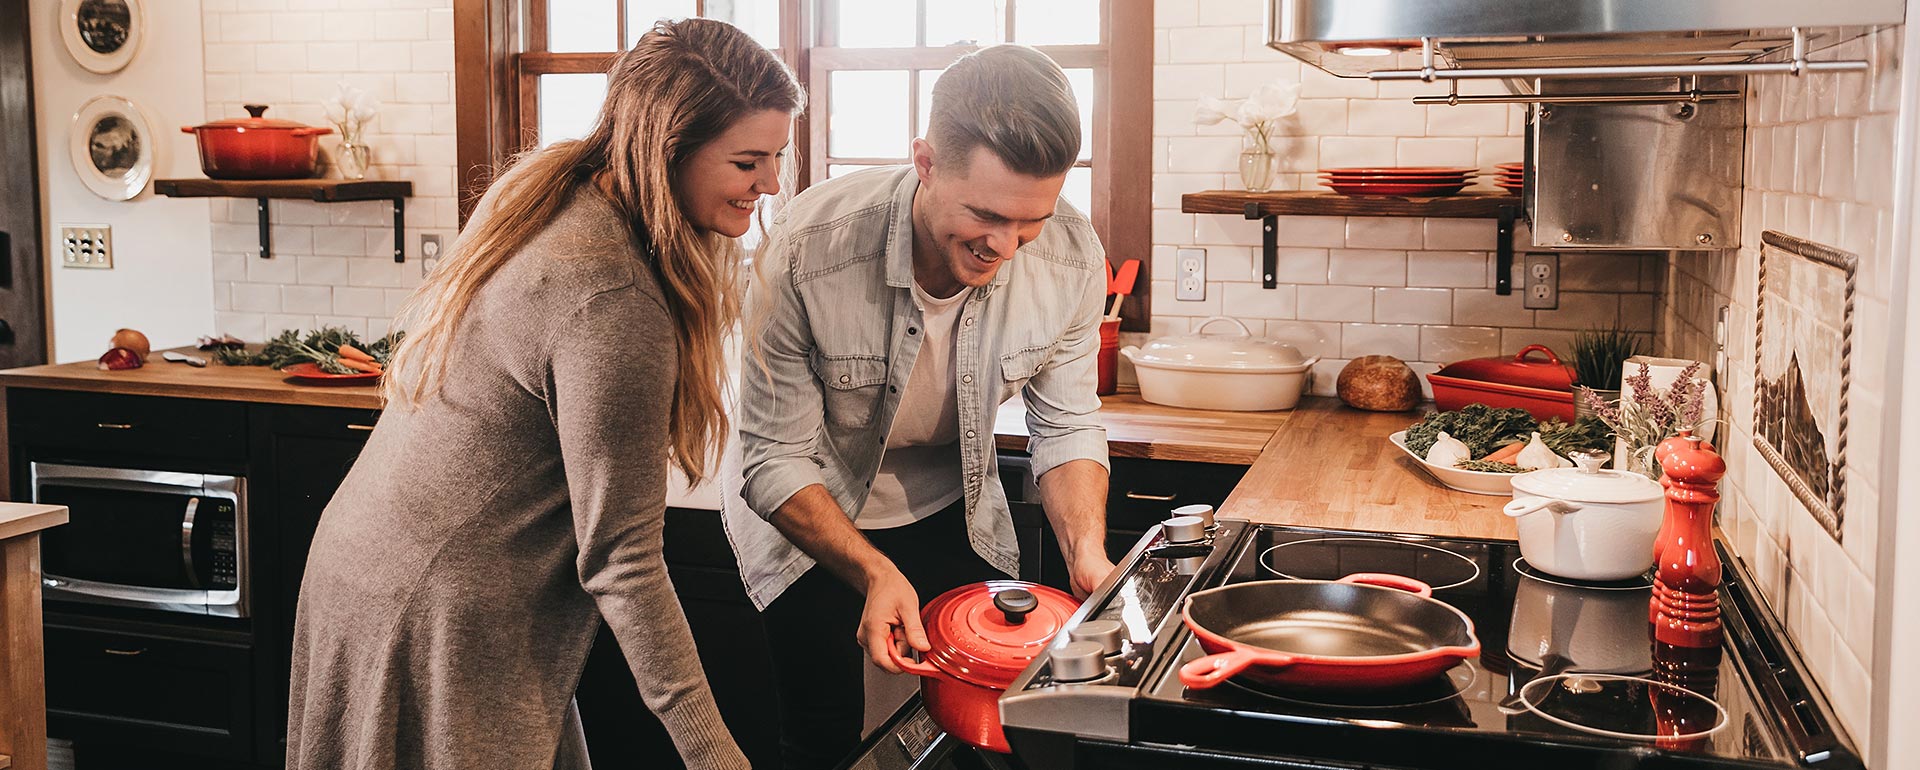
153, 539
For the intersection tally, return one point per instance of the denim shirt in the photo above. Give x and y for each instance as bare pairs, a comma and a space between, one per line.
831, 338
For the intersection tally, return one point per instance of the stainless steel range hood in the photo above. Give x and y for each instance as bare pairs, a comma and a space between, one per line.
1382, 38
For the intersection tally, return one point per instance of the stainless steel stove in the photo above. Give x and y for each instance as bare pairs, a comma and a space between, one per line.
1609, 697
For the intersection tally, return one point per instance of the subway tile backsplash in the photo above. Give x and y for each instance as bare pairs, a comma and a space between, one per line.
1819, 166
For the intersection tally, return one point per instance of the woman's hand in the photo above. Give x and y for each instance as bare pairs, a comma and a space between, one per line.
891, 603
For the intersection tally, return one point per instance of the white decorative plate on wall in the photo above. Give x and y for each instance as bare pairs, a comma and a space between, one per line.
102, 35
112, 146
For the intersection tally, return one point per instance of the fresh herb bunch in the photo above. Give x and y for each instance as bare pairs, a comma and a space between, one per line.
1482, 428
1599, 354
1488, 466
1588, 434
1645, 415
321, 347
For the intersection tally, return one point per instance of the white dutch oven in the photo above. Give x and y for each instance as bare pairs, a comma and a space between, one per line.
1240, 373
1586, 523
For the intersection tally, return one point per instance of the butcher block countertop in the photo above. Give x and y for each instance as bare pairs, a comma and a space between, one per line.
1332, 466
220, 383
1321, 465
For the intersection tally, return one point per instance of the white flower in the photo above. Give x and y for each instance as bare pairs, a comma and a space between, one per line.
350, 109
1268, 103
1209, 111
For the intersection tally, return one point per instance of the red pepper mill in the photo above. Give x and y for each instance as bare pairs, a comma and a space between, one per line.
1685, 606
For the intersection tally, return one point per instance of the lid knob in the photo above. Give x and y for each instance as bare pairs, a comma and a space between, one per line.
1201, 510
1015, 603
1079, 662
1185, 529
255, 110
1105, 633
1589, 460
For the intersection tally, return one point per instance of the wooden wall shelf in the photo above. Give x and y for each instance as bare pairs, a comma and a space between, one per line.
1466, 205
322, 190
1269, 206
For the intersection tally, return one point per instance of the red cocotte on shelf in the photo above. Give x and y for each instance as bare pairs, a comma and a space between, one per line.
1543, 387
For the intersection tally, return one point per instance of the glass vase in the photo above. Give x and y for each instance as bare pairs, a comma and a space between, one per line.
1256, 170
352, 160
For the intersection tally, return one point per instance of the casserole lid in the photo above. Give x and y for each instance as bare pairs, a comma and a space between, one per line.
1242, 352
256, 122
1588, 483
1520, 369
987, 633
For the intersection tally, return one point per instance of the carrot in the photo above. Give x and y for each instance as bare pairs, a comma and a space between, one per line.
1507, 453
349, 351
360, 366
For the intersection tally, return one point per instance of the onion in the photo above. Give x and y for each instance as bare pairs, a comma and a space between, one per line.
134, 341
120, 358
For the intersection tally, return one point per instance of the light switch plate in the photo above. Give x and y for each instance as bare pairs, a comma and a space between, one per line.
1541, 277
1190, 275
86, 246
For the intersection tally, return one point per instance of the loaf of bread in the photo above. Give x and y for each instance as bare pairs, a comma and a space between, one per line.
1379, 384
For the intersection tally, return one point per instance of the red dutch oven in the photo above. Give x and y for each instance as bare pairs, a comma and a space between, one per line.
983, 636
1362, 632
1543, 387
257, 147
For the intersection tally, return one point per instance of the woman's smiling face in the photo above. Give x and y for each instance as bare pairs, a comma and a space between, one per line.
722, 181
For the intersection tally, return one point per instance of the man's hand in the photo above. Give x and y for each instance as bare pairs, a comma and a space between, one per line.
891, 603
1087, 571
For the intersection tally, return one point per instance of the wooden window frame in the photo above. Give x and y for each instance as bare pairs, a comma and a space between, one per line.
496, 104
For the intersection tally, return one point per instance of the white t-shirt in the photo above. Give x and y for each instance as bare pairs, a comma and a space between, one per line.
920, 472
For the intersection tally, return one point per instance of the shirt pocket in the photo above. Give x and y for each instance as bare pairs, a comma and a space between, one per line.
854, 385
1019, 366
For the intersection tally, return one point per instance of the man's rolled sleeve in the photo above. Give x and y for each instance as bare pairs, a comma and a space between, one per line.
1063, 405
779, 416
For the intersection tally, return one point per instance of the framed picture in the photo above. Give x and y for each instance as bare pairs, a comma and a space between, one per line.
112, 146
102, 35
1803, 330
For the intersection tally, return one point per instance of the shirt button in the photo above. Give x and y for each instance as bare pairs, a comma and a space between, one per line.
968, 321
912, 330
968, 378
893, 389
971, 434
846, 378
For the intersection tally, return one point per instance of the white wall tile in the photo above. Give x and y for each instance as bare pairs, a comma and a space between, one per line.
1384, 233
1336, 303
1447, 344
1459, 234
1366, 267
1482, 307
1297, 265
1188, 45
1312, 338
1401, 341
1385, 117
1413, 306
1447, 269
1251, 301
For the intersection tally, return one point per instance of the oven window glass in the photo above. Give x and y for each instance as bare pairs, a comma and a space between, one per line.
119, 536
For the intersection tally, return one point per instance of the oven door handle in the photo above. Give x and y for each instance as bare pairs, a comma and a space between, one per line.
186, 541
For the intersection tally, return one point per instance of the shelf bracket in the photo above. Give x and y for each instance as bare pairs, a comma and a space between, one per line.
399, 229
266, 232
1269, 245
1503, 250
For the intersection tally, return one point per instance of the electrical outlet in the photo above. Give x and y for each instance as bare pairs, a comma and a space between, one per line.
1190, 275
429, 245
86, 246
1542, 275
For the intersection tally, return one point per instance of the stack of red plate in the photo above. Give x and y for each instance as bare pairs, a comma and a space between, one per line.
1397, 180
1509, 176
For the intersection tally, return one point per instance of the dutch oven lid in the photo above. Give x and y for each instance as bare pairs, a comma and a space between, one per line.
1589, 483
1520, 369
255, 122
1242, 352
987, 633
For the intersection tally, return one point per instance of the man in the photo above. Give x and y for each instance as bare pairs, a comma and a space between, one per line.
892, 312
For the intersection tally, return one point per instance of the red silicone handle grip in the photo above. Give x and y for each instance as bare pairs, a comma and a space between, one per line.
1388, 580
1521, 357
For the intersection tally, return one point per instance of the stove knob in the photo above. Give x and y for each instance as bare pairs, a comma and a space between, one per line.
1079, 662
1105, 633
1185, 529
1201, 510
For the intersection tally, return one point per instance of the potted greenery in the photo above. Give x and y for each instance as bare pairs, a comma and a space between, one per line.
1599, 356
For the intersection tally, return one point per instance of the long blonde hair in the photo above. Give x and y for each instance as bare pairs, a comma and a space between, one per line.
677, 89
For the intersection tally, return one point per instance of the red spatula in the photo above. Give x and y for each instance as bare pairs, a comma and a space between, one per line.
1121, 284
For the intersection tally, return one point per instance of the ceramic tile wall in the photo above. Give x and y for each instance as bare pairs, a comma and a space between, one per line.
1820, 154
333, 263
1420, 290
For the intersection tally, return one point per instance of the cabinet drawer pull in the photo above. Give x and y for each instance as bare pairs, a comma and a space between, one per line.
129, 653
358, 426
114, 425
1154, 498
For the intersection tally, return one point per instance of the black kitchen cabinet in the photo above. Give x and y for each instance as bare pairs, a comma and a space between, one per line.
1140, 493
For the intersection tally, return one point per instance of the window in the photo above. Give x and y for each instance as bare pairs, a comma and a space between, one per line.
868, 67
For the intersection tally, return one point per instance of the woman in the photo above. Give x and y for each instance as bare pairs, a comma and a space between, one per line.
564, 353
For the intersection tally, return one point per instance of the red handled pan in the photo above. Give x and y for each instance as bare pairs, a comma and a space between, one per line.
1362, 632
